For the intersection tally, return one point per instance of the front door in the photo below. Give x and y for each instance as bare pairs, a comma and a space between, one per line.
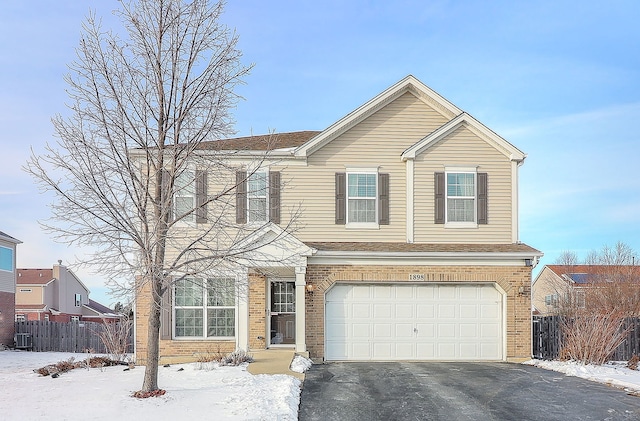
283, 313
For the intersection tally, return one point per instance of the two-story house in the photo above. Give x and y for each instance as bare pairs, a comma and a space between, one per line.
406, 246
56, 295
8, 246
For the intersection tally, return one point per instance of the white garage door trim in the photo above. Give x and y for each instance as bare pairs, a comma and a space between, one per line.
400, 321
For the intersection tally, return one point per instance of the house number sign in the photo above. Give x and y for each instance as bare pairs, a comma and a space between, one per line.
416, 277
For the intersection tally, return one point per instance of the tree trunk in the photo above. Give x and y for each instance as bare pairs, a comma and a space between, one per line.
150, 382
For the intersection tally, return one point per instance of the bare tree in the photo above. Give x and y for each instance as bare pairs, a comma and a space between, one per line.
567, 258
130, 154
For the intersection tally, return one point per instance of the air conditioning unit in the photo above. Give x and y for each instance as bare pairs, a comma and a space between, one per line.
23, 340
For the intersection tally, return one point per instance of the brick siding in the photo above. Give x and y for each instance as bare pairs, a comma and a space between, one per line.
7, 317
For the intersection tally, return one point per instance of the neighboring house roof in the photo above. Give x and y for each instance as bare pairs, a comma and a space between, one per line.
24, 307
261, 142
99, 308
586, 274
7, 237
34, 276
423, 248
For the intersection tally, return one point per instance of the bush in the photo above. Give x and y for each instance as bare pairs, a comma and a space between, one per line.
236, 358
591, 338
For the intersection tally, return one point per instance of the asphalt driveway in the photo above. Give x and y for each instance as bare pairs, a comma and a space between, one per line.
456, 391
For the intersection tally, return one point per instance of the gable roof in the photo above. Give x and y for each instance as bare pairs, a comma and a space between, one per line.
586, 274
7, 237
265, 142
408, 84
34, 276
467, 120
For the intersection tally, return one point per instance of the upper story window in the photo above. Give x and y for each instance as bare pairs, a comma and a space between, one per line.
78, 299
257, 196
6, 259
184, 199
362, 194
205, 309
461, 197
362, 198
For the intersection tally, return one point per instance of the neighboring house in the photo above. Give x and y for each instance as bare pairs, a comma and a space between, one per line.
406, 246
56, 295
563, 287
8, 246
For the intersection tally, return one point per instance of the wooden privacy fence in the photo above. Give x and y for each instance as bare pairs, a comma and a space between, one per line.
547, 338
41, 336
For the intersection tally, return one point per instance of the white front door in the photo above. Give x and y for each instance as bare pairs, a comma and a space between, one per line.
413, 322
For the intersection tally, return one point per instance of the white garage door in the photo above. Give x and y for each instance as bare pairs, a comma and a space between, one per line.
413, 322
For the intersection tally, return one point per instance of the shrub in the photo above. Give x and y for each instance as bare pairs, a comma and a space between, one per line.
591, 338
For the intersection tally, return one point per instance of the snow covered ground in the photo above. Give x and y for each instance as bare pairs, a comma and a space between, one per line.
613, 374
198, 391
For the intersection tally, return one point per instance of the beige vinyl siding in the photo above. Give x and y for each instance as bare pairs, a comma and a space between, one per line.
463, 148
33, 297
377, 141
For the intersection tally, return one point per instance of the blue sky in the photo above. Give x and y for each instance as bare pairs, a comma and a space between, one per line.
558, 79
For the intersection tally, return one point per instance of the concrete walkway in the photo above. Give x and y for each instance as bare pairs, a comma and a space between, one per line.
273, 361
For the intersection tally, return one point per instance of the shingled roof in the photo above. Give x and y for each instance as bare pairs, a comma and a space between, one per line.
34, 276
423, 248
264, 142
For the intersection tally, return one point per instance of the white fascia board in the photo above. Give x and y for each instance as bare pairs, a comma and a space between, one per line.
421, 258
408, 84
499, 143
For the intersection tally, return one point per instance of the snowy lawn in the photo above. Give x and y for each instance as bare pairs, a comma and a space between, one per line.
613, 374
194, 391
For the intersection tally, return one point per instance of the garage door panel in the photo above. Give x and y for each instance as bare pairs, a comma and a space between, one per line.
468, 311
361, 311
414, 322
382, 311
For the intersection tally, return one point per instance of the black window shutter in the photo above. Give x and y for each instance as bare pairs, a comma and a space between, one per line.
383, 199
482, 198
166, 311
201, 196
439, 198
341, 204
241, 197
274, 196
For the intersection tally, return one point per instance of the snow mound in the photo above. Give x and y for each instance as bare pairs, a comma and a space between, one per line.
613, 374
300, 364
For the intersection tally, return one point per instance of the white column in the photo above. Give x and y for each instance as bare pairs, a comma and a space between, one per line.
301, 345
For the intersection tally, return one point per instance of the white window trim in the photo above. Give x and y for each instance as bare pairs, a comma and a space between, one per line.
204, 336
21, 318
458, 170
265, 171
77, 299
190, 220
75, 318
362, 225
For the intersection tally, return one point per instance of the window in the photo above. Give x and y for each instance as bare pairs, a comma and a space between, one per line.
25, 289
461, 197
20, 318
551, 300
185, 196
205, 309
46, 317
6, 259
75, 318
361, 197
78, 300
257, 197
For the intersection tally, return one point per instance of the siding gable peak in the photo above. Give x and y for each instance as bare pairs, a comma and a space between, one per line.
408, 84
466, 120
